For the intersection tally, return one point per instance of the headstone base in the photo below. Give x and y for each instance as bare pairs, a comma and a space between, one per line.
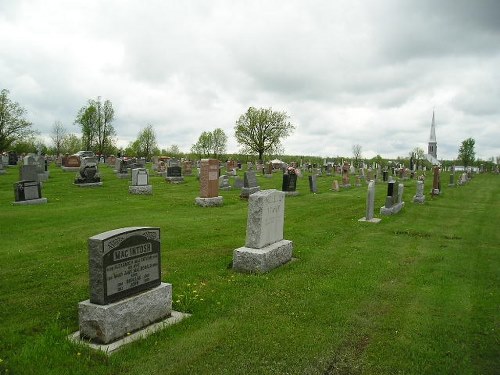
109, 349
372, 220
31, 202
346, 186
123, 176
225, 188
107, 323
246, 259
174, 180
435, 192
141, 189
70, 169
392, 210
210, 202
291, 193
247, 191
90, 184
161, 174
417, 199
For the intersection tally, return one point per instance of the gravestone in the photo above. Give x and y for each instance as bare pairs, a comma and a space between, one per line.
394, 200
224, 183
126, 292
335, 185
436, 182
385, 176
265, 248
452, 180
209, 184
41, 166
187, 168
28, 172
250, 185
140, 182
313, 184
289, 184
345, 175
2, 171
71, 163
88, 175
370, 204
463, 179
268, 170
238, 183
28, 193
419, 197
174, 174
12, 159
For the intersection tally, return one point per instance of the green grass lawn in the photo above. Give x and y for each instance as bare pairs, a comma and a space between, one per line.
416, 293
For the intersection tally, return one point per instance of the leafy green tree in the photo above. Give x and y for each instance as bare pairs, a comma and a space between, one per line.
95, 120
261, 130
146, 142
13, 124
356, 152
466, 152
71, 144
211, 144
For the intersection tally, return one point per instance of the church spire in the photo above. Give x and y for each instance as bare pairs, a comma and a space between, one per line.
432, 147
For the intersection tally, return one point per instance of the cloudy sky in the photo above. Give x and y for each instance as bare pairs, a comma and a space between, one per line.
347, 72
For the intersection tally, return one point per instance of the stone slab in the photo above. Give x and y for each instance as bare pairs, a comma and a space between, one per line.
104, 324
247, 191
123, 176
291, 193
419, 199
70, 169
31, 202
109, 349
141, 189
174, 180
392, 210
246, 259
90, 184
210, 202
373, 220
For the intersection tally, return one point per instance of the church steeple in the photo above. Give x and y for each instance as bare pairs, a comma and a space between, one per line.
432, 147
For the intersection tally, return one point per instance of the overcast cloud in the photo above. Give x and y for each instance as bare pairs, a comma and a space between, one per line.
347, 72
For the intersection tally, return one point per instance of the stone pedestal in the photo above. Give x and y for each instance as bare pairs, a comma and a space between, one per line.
210, 202
174, 180
31, 202
291, 193
392, 210
106, 323
89, 184
247, 259
140, 189
122, 176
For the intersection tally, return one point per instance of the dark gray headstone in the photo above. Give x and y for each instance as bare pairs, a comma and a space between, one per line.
123, 262
250, 179
27, 190
313, 186
28, 172
289, 182
175, 171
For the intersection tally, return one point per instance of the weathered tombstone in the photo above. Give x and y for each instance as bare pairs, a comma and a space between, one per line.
41, 167
436, 182
289, 185
238, 183
209, 184
269, 170
126, 292
265, 248
394, 200
2, 171
140, 182
370, 204
345, 175
419, 197
250, 185
463, 179
88, 175
358, 181
187, 168
28, 192
452, 180
174, 175
335, 185
224, 182
313, 184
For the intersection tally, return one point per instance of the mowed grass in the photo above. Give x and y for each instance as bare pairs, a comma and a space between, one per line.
415, 294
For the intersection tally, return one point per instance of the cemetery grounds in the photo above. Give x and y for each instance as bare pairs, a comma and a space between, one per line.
416, 293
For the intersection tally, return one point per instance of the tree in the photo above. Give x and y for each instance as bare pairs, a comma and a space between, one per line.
58, 134
13, 124
210, 144
466, 152
95, 122
146, 142
71, 144
418, 153
356, 151
261, 130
